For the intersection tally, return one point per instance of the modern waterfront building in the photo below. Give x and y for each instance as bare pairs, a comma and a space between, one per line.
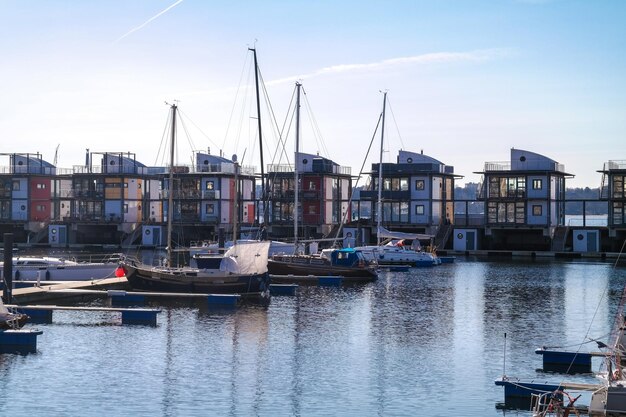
324, 190
417, 196
115, 199
613, 190
524, 204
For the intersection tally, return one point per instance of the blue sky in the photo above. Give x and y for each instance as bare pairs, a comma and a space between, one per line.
466, 80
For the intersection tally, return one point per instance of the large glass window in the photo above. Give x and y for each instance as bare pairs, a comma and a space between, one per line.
537, 184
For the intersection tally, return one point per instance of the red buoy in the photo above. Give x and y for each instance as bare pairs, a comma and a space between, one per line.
119, 272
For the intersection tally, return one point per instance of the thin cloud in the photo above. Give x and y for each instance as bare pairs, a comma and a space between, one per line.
437, 57
148, 21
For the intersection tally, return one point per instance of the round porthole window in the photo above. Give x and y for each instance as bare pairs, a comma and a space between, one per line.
305, 161
206, 162
580, 236
459, 236
147, 231
53, 231
112, 163
409, 160
23, 207
522, 158
349, 234
20, 163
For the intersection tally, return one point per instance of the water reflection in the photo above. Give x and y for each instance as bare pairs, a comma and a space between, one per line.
422, 342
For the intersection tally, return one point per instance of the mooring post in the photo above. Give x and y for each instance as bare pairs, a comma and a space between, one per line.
7, 271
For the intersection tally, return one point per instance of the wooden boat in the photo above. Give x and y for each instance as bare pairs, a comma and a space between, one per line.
243, 270
347, 263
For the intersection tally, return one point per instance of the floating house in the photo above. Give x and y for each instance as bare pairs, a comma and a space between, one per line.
613, 191
524, 204
324, 189
417, 196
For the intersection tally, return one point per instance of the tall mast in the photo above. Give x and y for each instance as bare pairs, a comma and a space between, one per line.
258, 117
380, 172
236, 202
295, 167
170, 197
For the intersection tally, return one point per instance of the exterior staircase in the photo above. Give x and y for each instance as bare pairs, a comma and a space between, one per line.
443, 233
559, 238
132, 237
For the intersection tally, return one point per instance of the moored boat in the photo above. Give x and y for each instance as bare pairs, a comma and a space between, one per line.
350, 264
49, 268
243, 270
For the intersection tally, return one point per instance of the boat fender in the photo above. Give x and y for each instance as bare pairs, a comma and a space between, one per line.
17, 275
47, 275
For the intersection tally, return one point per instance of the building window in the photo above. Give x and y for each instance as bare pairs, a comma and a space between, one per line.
537, 210
209, 208
209, 185
419, 209
16, 185
41, 186
312, 185
537, 184
125, 208
419, 184
41, 207
312, 210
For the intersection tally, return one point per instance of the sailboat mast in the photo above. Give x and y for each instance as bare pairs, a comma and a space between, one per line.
380, 172
170, 197
258, 117
295, 167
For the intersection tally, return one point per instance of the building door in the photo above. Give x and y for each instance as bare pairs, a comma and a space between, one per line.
592, 241
470, 237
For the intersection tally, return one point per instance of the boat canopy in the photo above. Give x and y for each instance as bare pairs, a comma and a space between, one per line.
247, 259
387, 234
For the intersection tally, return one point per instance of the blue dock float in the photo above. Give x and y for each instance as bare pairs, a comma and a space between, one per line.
514, 388
570, 362
283, 289
19, 341
123, 298
329, 281
223, 300
43, 313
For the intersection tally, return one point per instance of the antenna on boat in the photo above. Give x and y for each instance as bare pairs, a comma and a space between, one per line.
504, 359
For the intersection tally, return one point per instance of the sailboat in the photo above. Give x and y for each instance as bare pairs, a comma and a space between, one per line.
242, 269
347, 263
393, 250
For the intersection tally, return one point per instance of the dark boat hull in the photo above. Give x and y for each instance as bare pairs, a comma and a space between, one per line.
148, 279
280, 270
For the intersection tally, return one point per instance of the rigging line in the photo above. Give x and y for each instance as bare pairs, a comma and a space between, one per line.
393, 116
319, 138
285, 134
269, 104
620, 309
369, 148
189, 140
197, 127
232, 110
163, 144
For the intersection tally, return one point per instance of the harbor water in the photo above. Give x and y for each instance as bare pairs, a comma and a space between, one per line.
427, 342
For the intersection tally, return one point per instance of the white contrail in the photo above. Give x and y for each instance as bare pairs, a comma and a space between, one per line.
148, 21
436, 57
